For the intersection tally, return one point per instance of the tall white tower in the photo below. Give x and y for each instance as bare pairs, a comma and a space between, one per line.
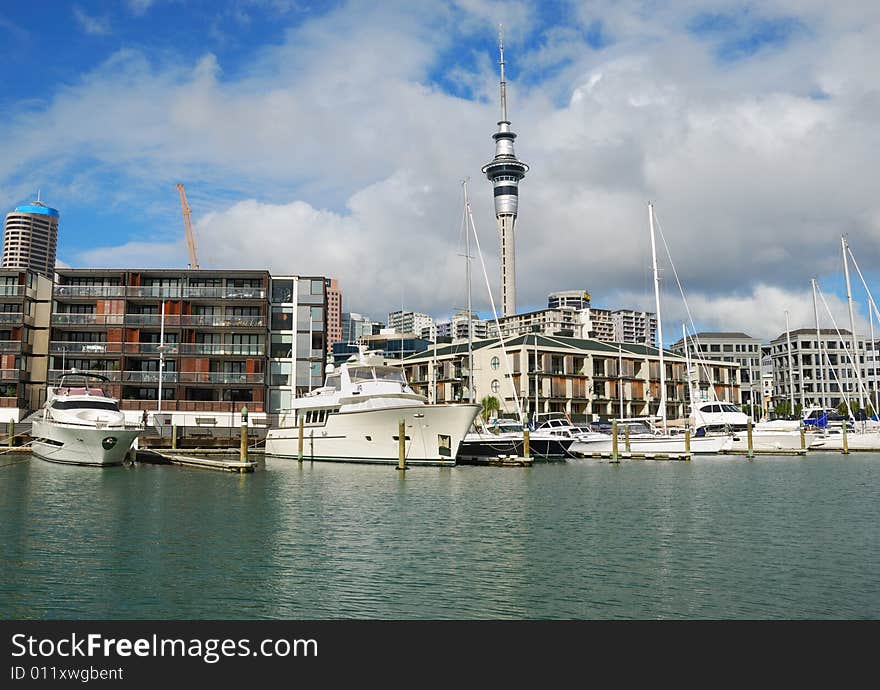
504, 172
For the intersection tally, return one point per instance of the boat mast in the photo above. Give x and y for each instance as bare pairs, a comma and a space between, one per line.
687, 363
821, 376
790, 365
161, 349
535, 414
467, 251
659, 323
874, 353
852, 325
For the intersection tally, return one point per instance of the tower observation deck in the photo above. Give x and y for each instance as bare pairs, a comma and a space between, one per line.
504, 172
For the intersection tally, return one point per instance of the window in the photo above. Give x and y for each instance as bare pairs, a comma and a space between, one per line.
495, 363
495, 386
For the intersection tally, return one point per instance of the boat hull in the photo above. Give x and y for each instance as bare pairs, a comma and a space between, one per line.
81, 445
775, 440
869, 440
475, 449
433, 435
702, 445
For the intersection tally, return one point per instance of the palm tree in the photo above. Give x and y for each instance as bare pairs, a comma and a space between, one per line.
490, 404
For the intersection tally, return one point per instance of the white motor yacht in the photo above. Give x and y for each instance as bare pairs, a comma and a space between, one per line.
714, 417
355, 417
81, 425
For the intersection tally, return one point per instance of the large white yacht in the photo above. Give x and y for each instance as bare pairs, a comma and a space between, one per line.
81, 425
355, 417
711, 417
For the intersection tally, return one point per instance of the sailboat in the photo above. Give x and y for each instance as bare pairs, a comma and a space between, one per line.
662, 442
863, 436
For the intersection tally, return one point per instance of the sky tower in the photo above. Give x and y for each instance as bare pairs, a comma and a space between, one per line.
504, 172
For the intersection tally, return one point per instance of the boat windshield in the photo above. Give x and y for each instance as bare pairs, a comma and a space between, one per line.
361, 374
634, 428
85, 405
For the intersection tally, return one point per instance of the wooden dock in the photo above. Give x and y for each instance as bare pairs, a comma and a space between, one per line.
787, 451
627, 455
232, 464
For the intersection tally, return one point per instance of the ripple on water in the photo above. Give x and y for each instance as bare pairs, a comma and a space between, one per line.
715, 538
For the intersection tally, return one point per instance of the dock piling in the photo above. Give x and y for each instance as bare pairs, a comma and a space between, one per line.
687, 443
626, 438
845, 442
751, 445
244, 434
174, 437
803, 438
401, 444
527, 443
302, 421
615, 457
10, 433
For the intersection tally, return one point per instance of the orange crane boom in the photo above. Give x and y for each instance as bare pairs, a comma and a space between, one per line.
187, 225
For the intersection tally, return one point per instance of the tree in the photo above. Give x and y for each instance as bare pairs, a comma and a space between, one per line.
489, 404
782, 409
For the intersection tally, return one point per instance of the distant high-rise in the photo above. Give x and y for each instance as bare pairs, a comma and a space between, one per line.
334, 313
504, 172
30, 238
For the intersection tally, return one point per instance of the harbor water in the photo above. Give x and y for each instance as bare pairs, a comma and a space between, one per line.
781, 537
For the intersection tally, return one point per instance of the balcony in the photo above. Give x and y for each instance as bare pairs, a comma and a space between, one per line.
243, 379
11, 317
9, 374
205, 320
98, 291
10, 346
112, 376
12, 290
59, 319
100, 348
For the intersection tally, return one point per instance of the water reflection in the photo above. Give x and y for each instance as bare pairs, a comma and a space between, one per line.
718, 538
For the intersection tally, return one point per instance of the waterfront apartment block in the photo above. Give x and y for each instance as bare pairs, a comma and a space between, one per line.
30, 238
802, 377
227, 338
298, 338
24, 335
585, 379
728, 347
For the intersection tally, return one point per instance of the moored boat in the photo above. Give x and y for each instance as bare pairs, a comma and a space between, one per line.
81, 425
355, 417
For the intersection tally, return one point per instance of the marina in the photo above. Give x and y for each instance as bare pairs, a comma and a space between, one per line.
208, 414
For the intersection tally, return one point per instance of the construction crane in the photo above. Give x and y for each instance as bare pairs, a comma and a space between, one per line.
188, 226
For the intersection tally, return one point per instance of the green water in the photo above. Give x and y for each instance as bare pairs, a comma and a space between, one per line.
715, 538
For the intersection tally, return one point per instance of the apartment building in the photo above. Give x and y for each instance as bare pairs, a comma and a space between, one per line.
728, 347
25, 302
803, 376
585, 379
298, 338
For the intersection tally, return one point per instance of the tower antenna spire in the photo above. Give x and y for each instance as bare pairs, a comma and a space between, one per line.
503, 83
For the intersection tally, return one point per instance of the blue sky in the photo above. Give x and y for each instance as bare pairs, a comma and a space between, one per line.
332, 138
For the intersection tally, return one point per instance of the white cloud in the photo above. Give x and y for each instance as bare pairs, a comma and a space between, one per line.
98, 26
350, 157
